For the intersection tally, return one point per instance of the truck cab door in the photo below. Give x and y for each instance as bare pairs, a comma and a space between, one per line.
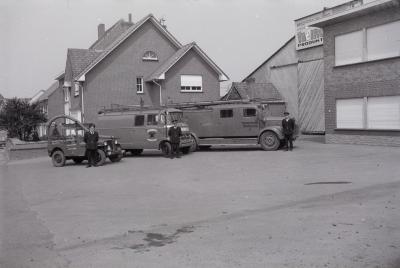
250, 122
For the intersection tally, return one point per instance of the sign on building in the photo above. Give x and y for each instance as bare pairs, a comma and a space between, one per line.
307, 36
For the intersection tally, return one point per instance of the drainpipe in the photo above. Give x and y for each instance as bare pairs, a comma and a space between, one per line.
154, 81
83, 107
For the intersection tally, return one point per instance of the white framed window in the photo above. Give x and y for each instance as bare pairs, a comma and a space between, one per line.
374, 43
191, 83
139, 84
77, 88
349, 113
383, 112
349, 48
150, 55
377, 113
383, 41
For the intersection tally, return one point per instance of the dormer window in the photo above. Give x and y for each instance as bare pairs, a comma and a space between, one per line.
150, 55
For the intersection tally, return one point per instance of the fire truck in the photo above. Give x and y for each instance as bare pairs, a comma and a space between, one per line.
236, 123
140, 128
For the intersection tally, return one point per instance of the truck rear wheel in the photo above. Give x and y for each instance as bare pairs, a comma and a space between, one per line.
269, 141
100, 158
58, 158
166, 148
115, 158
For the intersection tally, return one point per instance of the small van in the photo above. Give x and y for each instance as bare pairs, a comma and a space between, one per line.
140, 128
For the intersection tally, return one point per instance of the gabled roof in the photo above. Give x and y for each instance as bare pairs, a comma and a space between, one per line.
270, 57
78, 60
123, 37
44, 94
111, 34
252, 91
48, 91
159, 74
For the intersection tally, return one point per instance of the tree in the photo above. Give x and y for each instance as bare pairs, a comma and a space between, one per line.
21, 118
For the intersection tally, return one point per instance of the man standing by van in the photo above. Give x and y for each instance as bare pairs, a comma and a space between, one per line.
174, 134
91, 138
288, 130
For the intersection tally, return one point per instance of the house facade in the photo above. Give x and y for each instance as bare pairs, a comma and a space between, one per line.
136, 64
362, 74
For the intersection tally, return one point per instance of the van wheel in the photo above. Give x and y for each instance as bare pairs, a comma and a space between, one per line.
166, 148
58, 158
136, 152
269, 141
100, 158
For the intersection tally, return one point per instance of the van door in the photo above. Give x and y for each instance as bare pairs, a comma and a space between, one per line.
139, 132
249, 122
154, 131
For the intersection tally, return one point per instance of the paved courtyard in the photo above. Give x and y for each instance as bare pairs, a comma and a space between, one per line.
318, 206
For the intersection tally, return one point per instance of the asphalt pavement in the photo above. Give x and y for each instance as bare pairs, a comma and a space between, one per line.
318, 206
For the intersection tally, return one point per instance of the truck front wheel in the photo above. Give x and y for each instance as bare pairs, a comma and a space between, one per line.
269, 141
166, 148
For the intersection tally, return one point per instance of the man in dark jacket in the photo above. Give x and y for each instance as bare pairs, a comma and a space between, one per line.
174, 134
288, 126
91, 138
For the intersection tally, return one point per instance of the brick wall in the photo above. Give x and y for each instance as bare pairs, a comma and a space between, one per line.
367, 79
113, 80
191, 64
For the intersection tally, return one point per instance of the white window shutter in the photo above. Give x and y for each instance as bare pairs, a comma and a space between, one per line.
349, 113
349, 48
384, 112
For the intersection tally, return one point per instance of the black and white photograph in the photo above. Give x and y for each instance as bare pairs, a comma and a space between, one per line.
200, 133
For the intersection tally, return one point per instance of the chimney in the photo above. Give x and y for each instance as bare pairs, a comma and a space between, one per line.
130, 17
101, 29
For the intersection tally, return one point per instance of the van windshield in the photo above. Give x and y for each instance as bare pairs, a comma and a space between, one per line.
178, 116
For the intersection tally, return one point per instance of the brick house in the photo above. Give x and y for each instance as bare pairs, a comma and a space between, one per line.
362, 74
138, 63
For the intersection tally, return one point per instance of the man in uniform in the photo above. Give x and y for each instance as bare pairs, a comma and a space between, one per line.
288, 126
91, 138
174, 134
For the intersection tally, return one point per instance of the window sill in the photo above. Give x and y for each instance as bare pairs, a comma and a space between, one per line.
140, 93
149, 59
367, 129
364, 62
191, 91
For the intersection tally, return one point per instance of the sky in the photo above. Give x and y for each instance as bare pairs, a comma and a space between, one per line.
237, 34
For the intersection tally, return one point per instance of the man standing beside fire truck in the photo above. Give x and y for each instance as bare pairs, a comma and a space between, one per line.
288, 126
175, 134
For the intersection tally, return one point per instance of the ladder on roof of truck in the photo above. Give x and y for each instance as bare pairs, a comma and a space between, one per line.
211, 103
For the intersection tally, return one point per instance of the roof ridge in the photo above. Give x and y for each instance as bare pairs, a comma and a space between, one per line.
124, 36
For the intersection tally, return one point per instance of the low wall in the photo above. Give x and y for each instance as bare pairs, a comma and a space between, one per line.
17, 149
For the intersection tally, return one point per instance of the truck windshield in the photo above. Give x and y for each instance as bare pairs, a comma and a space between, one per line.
178, 116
